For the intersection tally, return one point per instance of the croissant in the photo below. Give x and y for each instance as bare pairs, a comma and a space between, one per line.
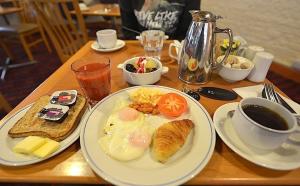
169, 138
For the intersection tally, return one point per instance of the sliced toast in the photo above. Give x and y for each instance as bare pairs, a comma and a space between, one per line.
31, 125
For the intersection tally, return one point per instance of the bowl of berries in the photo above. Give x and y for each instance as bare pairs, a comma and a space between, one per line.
142, 70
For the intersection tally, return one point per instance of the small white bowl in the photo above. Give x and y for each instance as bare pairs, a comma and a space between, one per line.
232, 74
142, 78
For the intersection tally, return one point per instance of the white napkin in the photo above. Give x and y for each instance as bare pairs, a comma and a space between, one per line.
255, 91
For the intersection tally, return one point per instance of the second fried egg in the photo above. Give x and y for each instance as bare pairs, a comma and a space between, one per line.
127, 136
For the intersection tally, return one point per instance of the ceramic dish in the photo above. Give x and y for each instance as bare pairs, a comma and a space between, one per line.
142, 78
230, 74
9, 158
145, 171
286, 157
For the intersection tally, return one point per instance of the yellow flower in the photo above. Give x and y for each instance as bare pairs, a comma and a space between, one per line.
226, 41
224, 45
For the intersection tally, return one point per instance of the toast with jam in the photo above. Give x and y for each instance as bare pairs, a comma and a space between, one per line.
32, 125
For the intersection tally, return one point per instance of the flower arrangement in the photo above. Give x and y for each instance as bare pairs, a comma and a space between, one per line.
235, 46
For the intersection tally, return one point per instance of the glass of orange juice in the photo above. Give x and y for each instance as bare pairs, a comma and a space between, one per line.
93, 75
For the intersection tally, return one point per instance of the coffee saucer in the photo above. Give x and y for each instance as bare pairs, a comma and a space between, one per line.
120, 44
286, 157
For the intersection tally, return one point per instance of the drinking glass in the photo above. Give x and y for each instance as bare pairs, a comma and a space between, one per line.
153, 41
93, 75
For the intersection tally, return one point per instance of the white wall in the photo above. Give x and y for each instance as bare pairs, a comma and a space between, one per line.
273, 24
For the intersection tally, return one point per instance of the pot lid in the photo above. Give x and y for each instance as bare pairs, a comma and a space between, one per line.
207, 16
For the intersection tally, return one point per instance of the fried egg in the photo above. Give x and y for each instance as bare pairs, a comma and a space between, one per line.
127, 136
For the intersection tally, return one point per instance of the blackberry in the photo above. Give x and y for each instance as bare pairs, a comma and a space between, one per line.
130, 68
153, 69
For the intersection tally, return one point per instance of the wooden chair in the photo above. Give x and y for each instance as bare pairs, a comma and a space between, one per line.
67, 33
26, 31
4, 104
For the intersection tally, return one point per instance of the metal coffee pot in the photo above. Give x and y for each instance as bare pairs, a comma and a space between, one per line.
197, 58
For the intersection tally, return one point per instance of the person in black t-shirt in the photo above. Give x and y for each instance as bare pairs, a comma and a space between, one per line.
171, 16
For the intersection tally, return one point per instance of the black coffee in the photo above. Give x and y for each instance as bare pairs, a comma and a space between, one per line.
265, 117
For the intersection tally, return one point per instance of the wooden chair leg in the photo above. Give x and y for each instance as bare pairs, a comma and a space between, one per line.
45, 40
4, 104
6, 49
26, 47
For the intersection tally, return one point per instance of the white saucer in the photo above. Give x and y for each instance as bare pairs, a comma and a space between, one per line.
286, 157
120, 44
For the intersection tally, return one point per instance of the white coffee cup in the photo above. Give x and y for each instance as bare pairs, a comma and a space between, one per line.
178, 46
255, 134
106, 38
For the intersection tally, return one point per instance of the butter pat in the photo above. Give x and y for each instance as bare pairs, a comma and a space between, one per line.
48, 148
29, 144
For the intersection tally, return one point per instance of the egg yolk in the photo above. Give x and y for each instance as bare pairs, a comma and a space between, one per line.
128, 114
140, 139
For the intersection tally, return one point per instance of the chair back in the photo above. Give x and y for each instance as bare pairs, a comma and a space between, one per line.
67, 31
27, 15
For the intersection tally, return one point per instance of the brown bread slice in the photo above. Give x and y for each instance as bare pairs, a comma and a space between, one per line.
169, 138
31, 125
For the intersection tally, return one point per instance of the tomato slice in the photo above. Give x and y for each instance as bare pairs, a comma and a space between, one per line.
172, 105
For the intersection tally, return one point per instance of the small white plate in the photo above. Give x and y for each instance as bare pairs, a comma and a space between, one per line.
191, 159
10, 158
286, 157
120, 44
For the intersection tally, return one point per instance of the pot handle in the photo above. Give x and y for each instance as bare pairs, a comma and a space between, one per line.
170, 50
228, 31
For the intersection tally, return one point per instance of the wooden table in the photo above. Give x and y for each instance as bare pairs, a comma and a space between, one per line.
111, 11
6, 1
224, 168
99, 9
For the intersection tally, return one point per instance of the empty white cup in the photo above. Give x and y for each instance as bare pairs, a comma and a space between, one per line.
106, 38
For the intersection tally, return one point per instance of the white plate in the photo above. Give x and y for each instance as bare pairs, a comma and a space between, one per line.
286, 157
9, 158
191, 159
120, 44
